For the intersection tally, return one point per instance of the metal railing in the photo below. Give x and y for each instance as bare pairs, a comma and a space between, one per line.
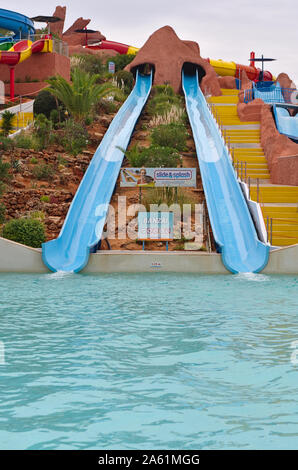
280, 95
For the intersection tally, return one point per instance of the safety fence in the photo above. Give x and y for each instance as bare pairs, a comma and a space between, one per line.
280, 95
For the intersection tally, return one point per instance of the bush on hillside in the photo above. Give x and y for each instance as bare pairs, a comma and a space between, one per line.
2, 213
124, 80
170, 135
153, 157
44, 103
29, 232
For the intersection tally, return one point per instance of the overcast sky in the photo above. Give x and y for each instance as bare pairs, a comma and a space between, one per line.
224, 29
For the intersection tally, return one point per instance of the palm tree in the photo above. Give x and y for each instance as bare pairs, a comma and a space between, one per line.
82, 94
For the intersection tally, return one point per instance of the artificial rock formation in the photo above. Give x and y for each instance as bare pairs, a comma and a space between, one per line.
58, 27
167, 53
281, 152
75, 41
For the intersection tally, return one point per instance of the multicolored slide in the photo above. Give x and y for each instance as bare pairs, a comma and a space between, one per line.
24, 49
115, 46
83, 226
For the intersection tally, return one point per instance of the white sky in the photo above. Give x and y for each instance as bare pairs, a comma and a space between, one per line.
224, 29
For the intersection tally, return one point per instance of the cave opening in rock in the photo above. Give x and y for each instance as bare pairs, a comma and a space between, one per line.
144, 69
190, 69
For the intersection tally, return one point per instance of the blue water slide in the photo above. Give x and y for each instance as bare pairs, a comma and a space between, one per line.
20, 24
233, 229
285, 123
84, 224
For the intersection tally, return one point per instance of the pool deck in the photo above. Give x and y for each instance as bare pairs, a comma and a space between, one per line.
16, 258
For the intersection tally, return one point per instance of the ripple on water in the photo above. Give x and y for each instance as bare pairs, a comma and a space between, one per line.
148, 361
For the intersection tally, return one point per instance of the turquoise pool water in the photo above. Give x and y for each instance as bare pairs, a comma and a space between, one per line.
148, 361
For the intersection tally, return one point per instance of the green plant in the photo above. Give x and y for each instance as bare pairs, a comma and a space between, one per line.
163, 99
6, 143
5, 176
54, 116
88, 63
152, 157
88, 120
42, 131
75, 137
124, 81
23, 141
7, 122
38, 215
62, 161
2, 213
15, 164
107, 107
170, 135
33, 161
45, 199
81, 96
43, 172
44, 103
2, 188
27, 231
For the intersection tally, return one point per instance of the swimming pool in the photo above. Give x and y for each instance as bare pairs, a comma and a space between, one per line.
148, 361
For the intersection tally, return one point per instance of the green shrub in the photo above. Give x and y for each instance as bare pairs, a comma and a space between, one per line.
4, 172
23, 141
43, 172
44, 103
6, 143
124, 81
42, 132
88, 63
163, 90
170, 135
6, 125
2, 188
163, 99
107, 107
54, 116
33, 161
153, 157
75, 137
28, 231
45, 199
2, 213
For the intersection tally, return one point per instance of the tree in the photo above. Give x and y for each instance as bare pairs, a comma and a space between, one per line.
82, 94
7, 126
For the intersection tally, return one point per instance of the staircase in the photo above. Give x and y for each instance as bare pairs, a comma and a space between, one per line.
279, 203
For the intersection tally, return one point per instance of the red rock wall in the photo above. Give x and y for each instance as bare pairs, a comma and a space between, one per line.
25, 89
281, 152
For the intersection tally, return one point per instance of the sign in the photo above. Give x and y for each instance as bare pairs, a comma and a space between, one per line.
158, 177
111, 67
155, 226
